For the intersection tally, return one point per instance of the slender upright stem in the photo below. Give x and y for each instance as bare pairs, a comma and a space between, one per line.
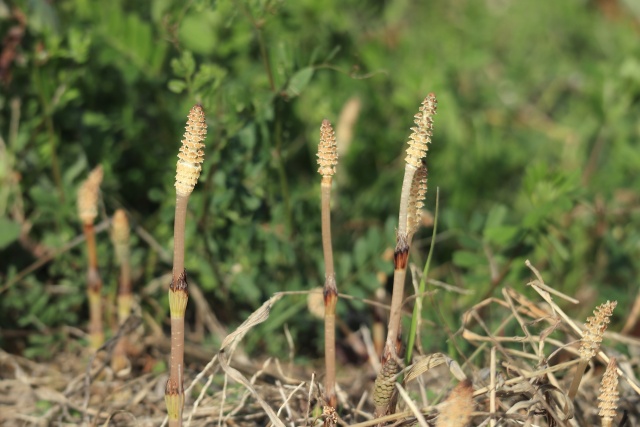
330, 301
125, 282
92, 253
178, 298
325, 188
401, 257
261, 44
188, 171
176, 368
178, 235
330, 295
48, 121
174, 391
120, 237
384, 392
400, 261
94, 289
88, 194
327, 160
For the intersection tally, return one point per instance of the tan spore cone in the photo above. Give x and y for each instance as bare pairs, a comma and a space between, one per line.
416, 200
608, 398
594, 329
88, 195
327, 150
590, 344
191, 155
422, 131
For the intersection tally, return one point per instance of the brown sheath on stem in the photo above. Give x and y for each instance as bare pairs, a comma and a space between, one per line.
174, 391
400, 260
178, 298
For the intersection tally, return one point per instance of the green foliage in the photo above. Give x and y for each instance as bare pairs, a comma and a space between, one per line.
535, 148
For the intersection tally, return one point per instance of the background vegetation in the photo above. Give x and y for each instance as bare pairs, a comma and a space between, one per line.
536, 150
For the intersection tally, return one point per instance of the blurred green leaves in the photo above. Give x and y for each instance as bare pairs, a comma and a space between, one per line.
535, 144
299, 81
9, 232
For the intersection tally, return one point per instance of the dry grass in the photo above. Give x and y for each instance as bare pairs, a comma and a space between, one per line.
535, 346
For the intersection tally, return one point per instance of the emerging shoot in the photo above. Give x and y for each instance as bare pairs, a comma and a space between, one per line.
187, 174
414, 187
88, 195
120, 238
327, 160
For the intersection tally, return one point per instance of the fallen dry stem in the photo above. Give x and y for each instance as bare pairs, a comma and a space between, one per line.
412, 406
577, 378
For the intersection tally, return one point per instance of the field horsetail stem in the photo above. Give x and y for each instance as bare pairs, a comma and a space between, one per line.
88, 195
120, 238
411, 201
327, 160
187, 173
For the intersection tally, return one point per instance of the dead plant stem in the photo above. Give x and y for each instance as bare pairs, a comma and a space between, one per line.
577, 378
